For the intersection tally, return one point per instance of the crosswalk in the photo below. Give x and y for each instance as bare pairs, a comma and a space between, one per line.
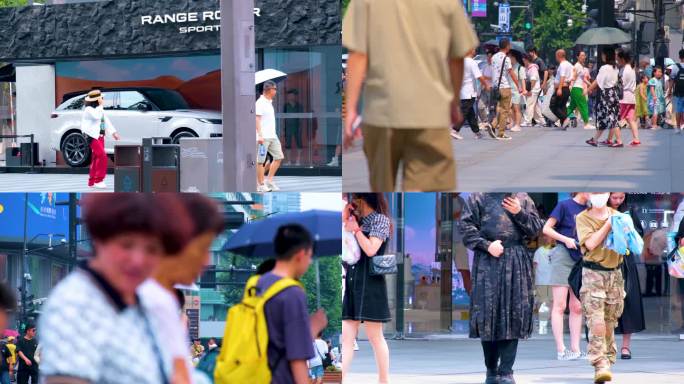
12, 182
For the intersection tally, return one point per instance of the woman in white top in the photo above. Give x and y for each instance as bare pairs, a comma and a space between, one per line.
608, 108
95, 125
517, 98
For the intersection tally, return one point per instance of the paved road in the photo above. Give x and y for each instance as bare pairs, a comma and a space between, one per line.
11, 182
550, 160
460, 361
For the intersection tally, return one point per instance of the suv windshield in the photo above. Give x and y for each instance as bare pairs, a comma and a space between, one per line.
166, 99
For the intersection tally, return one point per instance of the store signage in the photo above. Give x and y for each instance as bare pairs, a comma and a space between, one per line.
190, 17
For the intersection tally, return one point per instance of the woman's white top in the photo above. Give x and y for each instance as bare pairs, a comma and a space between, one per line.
91, 119
607, 76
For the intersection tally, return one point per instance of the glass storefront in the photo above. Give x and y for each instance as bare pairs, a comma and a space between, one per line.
436, 266
308, 104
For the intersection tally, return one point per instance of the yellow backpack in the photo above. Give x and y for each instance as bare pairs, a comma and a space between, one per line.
243, 358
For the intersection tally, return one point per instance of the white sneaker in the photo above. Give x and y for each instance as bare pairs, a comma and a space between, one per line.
263, 188
356, 345
334, 163
100, 185
272, 186
589, 126
456, 136
516, 128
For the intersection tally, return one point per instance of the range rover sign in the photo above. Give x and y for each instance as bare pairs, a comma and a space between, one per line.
198, 20
78, 31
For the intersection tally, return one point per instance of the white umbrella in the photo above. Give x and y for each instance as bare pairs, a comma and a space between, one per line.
269, 74
668, 62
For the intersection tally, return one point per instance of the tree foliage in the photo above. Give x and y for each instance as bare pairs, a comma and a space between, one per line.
13, 3
550, 27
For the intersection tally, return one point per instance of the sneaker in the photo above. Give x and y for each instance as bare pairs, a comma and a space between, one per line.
557, 124
492, 378
356, 345
567, 123
456, 136
503, 137
100, 185
334, 163
589, 126
592, 142
576, 355
516, 128
490, 130
506, 379
263, 188
602, 375
272, 186
563, 356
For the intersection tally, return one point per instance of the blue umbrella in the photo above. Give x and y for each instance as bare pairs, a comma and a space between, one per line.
255, 239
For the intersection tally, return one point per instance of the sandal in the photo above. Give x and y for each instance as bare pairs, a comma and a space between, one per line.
625, 356
616, 145
592, 142
635, 143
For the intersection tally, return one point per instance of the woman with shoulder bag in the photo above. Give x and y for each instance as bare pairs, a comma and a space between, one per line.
632, 319
365, 296
495, 226
95, 125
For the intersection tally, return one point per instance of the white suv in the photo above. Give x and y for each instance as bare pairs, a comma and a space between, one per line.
136, 113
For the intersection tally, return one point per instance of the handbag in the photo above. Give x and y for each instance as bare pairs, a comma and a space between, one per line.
496, 94
575, 278
383, 265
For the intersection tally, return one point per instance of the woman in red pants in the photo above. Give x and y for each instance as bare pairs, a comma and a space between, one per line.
95, 125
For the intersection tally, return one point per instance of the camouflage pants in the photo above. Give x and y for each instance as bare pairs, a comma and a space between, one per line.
602, 297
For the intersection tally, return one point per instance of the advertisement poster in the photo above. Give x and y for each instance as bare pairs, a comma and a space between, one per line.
43, 214
478, 8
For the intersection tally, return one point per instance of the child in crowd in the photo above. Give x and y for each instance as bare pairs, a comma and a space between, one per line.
642, 100
656, 97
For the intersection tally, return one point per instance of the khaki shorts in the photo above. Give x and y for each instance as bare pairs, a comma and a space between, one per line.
427, 156
274, 148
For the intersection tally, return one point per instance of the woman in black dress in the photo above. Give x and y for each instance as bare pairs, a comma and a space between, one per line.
365, 296
495, 226
632, 319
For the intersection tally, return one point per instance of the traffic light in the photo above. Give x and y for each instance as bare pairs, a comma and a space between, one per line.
528, 26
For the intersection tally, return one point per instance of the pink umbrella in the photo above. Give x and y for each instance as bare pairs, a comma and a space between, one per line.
10, 332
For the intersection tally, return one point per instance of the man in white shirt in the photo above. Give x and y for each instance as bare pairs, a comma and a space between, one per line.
578, 96
532, 109
559, 101
501, 66
267, 136
471, 73
677, 86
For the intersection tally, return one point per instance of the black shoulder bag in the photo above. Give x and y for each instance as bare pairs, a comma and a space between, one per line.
496, 94
383, 265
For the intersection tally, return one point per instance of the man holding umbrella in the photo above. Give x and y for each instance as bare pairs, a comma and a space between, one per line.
267, 136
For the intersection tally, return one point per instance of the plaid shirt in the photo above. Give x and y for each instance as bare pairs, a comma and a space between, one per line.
376, 225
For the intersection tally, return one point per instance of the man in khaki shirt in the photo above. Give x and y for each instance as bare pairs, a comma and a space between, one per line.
410, 54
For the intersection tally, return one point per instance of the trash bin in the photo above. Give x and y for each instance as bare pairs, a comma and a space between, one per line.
128, 168
160, 167
201, 166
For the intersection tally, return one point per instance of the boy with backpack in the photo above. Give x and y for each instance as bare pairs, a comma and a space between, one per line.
268, 335
677, 79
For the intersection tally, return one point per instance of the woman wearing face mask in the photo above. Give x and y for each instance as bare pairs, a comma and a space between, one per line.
602, 291
632, 319
561, 227
365, 295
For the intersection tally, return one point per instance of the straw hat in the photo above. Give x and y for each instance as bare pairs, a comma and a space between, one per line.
93, 95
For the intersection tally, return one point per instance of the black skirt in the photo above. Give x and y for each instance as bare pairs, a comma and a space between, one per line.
365, 296
632, 319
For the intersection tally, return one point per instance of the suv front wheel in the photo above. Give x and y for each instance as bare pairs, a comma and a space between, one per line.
75, 150
183, 134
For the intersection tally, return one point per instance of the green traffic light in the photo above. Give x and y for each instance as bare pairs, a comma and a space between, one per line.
528, 25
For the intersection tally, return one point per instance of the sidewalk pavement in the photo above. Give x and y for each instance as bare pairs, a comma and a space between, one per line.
655, 360
40, 182
550, 160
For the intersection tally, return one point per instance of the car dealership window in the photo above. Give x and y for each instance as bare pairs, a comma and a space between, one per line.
309, 123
